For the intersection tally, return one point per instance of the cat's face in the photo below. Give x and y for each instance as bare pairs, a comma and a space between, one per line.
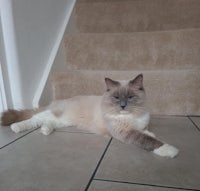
124, 96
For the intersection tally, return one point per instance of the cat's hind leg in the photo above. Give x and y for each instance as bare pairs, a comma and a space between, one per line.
35, 121
46, 120
24, 125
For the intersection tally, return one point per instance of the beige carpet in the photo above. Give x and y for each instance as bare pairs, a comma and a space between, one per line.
122, 38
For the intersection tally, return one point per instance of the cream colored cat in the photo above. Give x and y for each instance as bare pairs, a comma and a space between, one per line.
119, 113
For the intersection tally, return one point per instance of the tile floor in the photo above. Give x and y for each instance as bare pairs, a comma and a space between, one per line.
73, 160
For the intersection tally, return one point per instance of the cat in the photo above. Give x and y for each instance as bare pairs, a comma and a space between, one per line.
119, 113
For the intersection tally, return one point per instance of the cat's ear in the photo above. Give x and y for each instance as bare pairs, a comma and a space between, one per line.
111, 84
137, 82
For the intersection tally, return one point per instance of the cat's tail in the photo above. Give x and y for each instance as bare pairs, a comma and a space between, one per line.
12, 116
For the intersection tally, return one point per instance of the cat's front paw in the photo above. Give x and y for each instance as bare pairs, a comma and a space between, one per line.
149, 133
166, 151
15, 128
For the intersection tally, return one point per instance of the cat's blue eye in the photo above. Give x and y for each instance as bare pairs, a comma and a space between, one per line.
116, 97
130, 98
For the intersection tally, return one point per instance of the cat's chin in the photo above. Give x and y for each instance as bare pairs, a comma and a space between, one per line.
124, 112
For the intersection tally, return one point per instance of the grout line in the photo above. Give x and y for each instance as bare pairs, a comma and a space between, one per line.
194, 123
63, 131
98, 164
143, 184
193, 115
19, 138
165, 116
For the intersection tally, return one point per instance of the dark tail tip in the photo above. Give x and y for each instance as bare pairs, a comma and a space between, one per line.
8, 117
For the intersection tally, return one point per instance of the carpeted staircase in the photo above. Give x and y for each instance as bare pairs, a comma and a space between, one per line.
122, 38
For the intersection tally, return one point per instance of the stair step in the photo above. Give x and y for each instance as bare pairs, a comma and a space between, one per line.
107, 16
171, 92
134, 51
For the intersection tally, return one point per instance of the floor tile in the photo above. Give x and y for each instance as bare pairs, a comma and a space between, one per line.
113, 186
128, 163
196, 120
7, 135
60, 161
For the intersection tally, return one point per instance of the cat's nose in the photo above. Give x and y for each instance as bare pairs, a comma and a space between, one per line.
123, 106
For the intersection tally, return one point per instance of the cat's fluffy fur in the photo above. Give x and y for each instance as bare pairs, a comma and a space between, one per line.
120, 113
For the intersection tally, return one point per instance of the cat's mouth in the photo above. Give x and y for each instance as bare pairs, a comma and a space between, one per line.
124, 112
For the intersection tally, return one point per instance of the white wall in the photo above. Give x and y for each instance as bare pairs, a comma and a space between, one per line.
58, 66
9, 57
38, 27
59, 62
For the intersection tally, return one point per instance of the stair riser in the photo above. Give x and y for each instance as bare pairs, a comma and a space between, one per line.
171, 93
136, 51
134, 16
122, 38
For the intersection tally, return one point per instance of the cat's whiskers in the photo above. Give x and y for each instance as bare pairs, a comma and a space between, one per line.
110, 111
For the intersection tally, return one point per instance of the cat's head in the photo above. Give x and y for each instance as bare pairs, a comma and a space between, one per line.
124, 96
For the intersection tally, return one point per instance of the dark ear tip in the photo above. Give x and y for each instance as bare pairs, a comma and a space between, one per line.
140, 75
